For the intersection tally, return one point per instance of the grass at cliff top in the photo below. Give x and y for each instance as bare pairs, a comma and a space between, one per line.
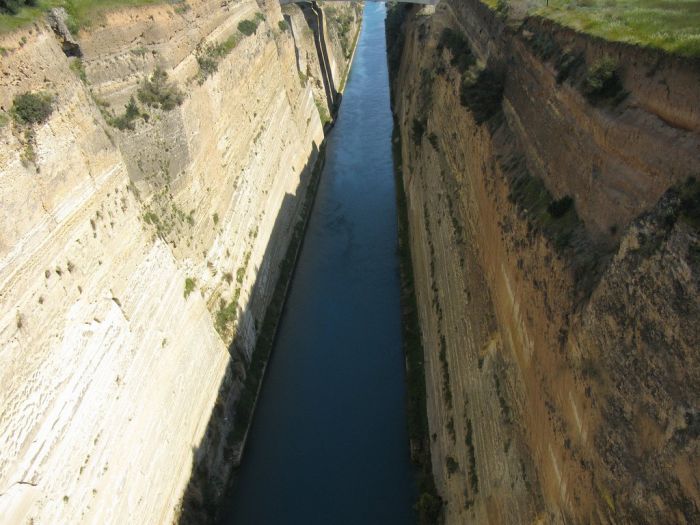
671, 25
82, 12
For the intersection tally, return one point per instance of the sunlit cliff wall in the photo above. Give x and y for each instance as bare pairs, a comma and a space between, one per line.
129, 259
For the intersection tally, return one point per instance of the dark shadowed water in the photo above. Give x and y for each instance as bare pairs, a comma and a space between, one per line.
328, 443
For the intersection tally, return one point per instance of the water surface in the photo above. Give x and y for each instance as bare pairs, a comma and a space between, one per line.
328, 444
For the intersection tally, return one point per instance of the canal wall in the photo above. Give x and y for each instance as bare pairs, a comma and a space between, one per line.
553, 247
141, 247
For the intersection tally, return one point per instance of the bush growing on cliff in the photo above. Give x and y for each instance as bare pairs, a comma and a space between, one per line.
482, 93
248, 27
189, 286
418, 130
322, 111
126, 120
602, 81
32, 108
559, 207
157, 91
208, 58
462, 57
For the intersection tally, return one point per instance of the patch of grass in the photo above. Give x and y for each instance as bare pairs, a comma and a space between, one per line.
671, 25
190, 285
283, 25
208, 58
322, 112
158, 92
77, 67
226, 316
82, 13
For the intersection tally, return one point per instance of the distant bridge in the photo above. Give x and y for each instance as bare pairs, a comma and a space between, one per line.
423, 2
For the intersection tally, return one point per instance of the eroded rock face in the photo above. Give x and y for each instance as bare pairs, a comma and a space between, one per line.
56, 18
131, 258
556, 271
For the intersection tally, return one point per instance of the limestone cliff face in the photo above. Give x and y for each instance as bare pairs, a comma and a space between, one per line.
556, 268
129, 258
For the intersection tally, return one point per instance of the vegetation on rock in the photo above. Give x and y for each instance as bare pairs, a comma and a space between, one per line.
482, 93
32, 107
158, 92
602, 81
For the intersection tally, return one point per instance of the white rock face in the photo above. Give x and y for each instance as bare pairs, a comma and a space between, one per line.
108, 371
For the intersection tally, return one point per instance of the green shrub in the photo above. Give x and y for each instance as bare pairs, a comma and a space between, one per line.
482, 94
208, 59
12, 7
126, 120
283, 25
207, 65
32, 108
158, 92
602, 81
248, 27
502, 8
189, 286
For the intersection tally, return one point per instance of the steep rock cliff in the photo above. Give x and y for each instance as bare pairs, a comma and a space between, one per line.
134, 248
554, 247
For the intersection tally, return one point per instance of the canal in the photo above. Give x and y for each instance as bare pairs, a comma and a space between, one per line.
328, 443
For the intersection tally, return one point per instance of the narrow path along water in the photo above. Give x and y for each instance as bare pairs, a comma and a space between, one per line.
328, 444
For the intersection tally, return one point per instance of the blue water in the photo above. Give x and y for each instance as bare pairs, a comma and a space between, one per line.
328, 444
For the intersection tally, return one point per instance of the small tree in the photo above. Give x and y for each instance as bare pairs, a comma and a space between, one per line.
157, 91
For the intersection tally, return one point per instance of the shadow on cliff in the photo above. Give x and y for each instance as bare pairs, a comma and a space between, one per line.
219, 452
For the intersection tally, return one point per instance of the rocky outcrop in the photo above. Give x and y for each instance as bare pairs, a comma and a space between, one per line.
136, 244
554, 246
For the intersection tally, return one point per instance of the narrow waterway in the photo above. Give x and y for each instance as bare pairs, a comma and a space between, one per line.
328, 444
